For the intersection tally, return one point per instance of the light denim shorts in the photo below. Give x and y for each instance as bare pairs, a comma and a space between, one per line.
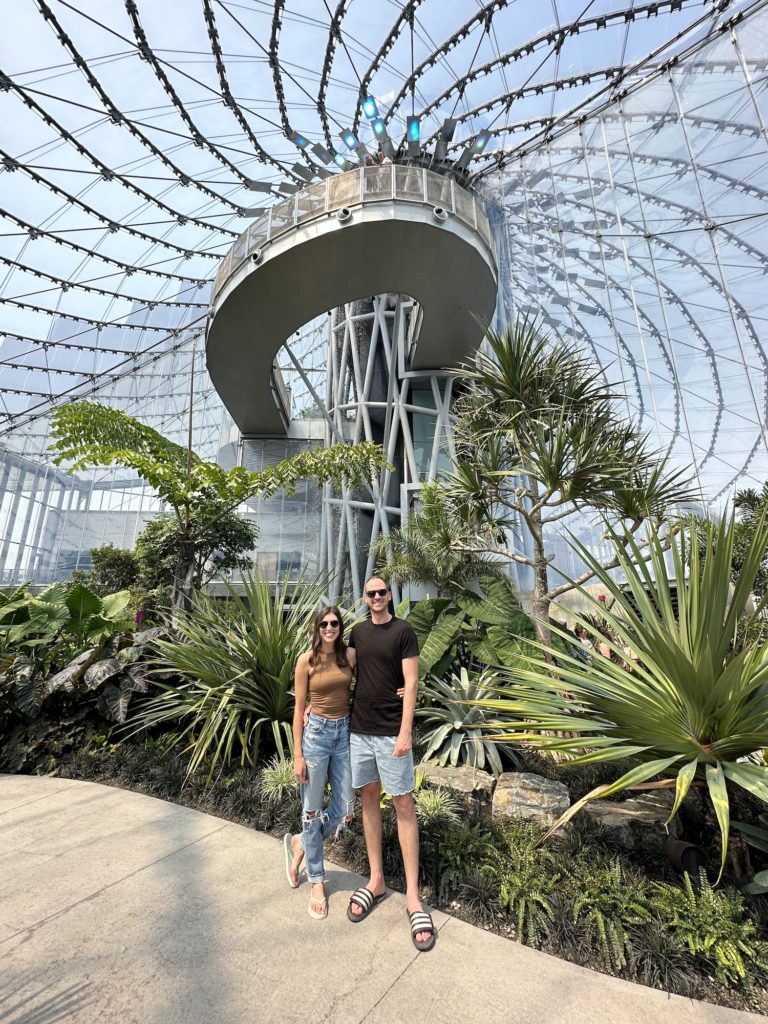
373, 761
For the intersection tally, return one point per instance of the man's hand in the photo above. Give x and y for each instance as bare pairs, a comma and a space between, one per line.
300, 768
403, 744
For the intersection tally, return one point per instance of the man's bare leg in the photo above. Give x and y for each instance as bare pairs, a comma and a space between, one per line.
408, 834
370, 797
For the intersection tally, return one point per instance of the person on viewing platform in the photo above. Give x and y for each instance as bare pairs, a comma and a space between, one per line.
321, 751
387, 657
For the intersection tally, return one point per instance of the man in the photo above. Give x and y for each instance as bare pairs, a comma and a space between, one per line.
380, 745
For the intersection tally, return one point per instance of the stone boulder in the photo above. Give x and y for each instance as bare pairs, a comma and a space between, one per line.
472, 787
525, 795
637, 823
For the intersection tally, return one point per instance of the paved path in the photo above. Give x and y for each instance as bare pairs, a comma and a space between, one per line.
117, 907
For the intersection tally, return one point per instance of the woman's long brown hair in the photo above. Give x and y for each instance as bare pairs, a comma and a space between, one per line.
340, 646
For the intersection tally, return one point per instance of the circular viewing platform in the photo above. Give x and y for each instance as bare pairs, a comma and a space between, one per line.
392, 228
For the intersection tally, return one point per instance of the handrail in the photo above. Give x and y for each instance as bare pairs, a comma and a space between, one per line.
359, 187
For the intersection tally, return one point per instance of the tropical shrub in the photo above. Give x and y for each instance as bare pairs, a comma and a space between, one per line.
692, 701
528, 878
227, 673
112, 569
711, 923
58, 639
607, 901
454, 722
471, 630
421, 550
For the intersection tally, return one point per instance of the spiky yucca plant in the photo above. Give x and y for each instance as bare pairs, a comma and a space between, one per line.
455, 715
236, 666
686, 697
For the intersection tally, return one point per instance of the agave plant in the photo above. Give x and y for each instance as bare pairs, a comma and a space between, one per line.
236, 665
455, 719
686, 696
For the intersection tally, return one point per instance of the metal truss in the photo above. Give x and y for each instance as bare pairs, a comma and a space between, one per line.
628, 185
369, 396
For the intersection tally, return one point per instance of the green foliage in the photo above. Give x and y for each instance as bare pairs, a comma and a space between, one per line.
454, 722
436, 807
112, 569
540, 435
223, 541
471, 630
232, 671
757, 837
711, 924
528, 878
422, 549
278, 782
608, 901
49, 641
692, 704
198, 493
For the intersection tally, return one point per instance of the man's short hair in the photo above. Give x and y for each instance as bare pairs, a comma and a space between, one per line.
375, 577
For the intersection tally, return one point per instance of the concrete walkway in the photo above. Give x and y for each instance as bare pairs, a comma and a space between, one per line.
116, 907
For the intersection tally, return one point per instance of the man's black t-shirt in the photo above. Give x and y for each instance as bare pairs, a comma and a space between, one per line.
376, 708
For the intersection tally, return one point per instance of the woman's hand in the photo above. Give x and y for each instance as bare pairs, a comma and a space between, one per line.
300, 768
401, 692
307, 711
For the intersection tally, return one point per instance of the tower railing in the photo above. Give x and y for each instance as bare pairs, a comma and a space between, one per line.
362, 186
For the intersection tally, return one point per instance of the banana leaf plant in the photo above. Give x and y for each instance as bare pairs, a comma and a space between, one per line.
52, 640
686, 696
480, 629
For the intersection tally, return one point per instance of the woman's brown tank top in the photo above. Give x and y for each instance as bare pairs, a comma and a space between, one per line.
329, 687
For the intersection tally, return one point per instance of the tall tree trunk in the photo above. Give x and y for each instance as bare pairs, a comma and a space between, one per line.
183, 582
541, 599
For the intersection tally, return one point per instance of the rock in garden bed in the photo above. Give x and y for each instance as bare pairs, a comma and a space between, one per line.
637, 823
472, 787
529, 796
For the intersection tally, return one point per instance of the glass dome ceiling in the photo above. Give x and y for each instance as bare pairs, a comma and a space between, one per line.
626, 161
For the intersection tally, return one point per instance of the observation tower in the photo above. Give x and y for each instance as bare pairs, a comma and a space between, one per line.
402, 260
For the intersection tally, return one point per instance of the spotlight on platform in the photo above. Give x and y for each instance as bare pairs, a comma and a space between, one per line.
369, 108
477, 147
413, 134
382, 137
349, 139
342, 161
322, 153
445, 136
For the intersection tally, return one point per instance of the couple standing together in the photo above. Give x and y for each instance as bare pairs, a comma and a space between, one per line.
361, 745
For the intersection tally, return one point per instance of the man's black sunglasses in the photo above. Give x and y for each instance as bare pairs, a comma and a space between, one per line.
377, 593
329, 624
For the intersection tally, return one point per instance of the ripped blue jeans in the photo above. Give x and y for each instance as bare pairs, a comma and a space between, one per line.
325, 746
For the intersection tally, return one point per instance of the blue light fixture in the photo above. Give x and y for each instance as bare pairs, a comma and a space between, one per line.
342, 161
481, 141
349, 139
379, 128
413, 134
299, 140
369, 107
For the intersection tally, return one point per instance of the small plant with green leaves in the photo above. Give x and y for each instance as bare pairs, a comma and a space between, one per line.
608, 901
436, 808
278, 781
712, 925
467, 847
529, 875
455, 722
757, 837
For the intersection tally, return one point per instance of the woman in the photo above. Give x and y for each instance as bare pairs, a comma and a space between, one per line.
321, 751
